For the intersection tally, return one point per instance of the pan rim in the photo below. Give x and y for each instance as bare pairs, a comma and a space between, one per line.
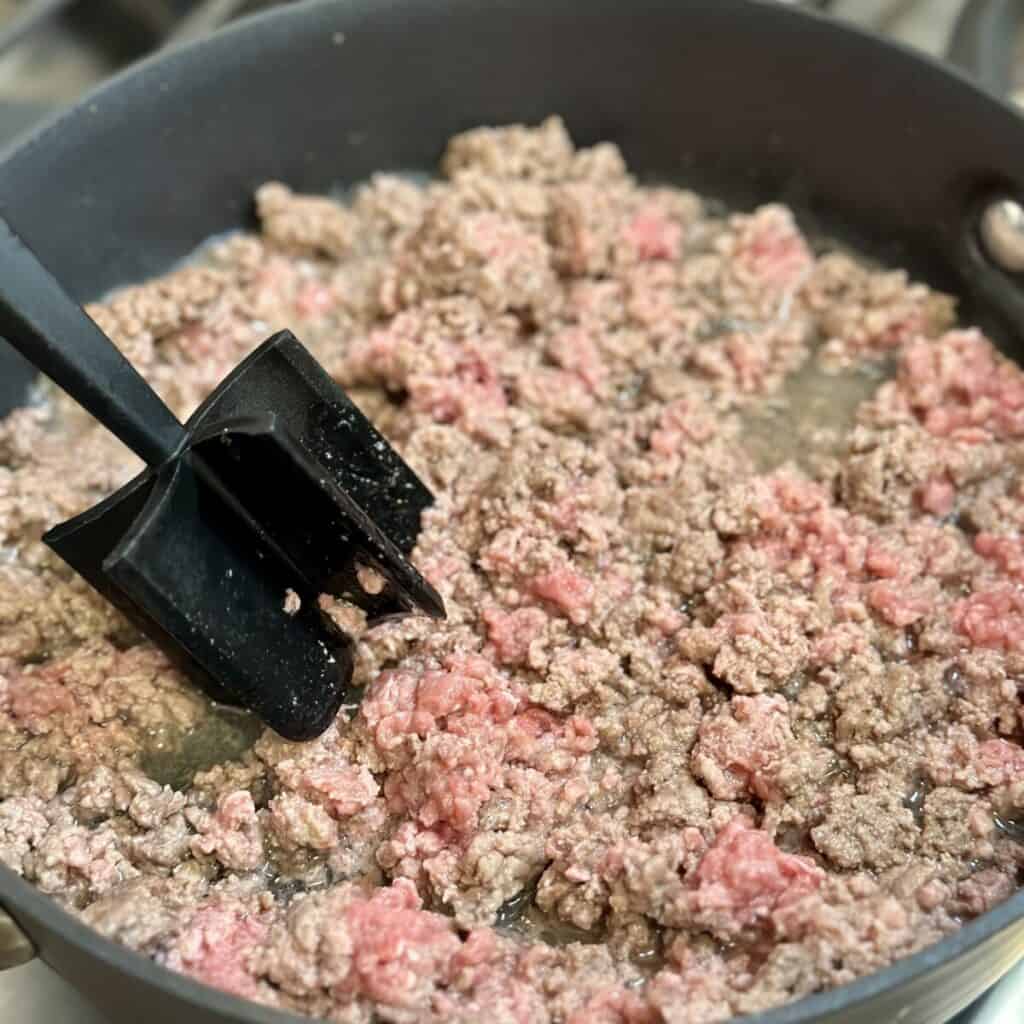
20, 895
225, 38
21, 898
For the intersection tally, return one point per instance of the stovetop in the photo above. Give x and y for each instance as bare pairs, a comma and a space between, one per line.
51, 51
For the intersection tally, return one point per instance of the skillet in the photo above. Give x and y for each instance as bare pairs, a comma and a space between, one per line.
743, 99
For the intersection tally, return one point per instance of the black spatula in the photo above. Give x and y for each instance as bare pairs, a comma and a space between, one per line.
277, 483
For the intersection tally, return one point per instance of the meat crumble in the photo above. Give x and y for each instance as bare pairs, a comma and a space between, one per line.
726, 710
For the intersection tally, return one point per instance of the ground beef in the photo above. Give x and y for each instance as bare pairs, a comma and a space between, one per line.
726, 708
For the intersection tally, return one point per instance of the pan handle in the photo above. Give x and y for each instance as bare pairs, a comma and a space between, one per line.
984, 42
991, 252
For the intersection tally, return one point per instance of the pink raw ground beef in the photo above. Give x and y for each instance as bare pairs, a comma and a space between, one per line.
726, 709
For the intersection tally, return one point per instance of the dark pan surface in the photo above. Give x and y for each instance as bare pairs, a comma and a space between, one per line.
737, 97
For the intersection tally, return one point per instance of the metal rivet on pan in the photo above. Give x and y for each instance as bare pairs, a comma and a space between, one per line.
1002, 234
15, 946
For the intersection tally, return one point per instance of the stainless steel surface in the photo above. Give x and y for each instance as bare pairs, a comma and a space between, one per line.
35, 995
207, 17
15, 947
50, 66
1005, 1005
63, 56
27, 18
1002, 234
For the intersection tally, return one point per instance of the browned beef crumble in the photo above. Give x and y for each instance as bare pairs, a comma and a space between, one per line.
727, 707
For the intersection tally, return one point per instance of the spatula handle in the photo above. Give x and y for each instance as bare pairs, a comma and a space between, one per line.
53, 332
